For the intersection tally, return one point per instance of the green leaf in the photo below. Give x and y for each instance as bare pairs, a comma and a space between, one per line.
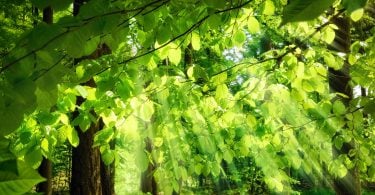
174, 55
46, 98
222, 92
219, 79
47, 118
338, 108
45, 56
308, 86
183, 173
141, 160
269, 7
239, 38
331, 61
72, 135
303, 10
10, 119
357, 14
351, 5
197, 73
81, 90
9, 166
163, 35
215, 3
44, 145
260, 130
371, 171
8, 161
253, 25
124, 88
338, 168
207, 145
251, 120
34, 158
11, 183
328, 35
108, 157
83, 121
369, 108
195, 41
57, 5
274, 183
214, 21
198, 168
228, 156
158, 141
103, 137
109, 118
74, 43
146, 111
78, 43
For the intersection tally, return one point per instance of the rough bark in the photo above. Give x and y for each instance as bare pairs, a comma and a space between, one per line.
86, 179
89, 175
339, 81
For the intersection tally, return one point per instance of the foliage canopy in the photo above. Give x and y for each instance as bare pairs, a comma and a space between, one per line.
208, 81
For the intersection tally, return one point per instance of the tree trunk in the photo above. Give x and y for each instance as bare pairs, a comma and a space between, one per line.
148, 182
107, 178
45, 168
48, 15
89, 175
86, 179
339, 81
107, 171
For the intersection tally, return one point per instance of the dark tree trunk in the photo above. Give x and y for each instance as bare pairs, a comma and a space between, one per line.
339, 81
86, 178
45, 168
107, 178
148, 182
35, 12
107, 172
89, 175
48, 15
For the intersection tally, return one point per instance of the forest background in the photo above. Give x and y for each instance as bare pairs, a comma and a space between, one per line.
188, 96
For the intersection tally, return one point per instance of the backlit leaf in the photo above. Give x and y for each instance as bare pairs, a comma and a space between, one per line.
303, 10
239, 38
328, 35
269, 7
72, 135
222, 91
195, 41
146, 111
174, 55
357, 14
253, 25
